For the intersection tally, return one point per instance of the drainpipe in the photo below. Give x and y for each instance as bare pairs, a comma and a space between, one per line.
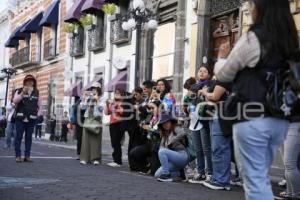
179, 49
203, 39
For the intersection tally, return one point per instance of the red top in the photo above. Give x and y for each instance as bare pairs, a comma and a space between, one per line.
115, 110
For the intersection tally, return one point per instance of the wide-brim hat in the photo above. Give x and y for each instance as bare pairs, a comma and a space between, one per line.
96, 85
164, 118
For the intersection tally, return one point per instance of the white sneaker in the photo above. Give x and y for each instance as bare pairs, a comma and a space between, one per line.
96, 162
113, 164
282, 183
83, 162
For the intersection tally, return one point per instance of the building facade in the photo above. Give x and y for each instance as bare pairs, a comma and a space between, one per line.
37, 46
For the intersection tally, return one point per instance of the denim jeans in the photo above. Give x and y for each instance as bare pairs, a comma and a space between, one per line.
171, 162
291, 160
28, 128
221, 155
203, 149
9, 133
256, 144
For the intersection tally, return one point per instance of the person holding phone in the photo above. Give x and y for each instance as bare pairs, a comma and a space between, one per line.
28, 108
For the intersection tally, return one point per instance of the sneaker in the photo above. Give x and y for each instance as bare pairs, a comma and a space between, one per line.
18, 159
28, 159
215, 186
165, 178
113, 164
78, 158
282, 183
198, 179
96, 162
237, 182
83, 162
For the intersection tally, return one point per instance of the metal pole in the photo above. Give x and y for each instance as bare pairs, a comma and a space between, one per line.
137, 53
6, 93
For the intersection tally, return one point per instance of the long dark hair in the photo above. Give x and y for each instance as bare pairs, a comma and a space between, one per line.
167, 87
275, 17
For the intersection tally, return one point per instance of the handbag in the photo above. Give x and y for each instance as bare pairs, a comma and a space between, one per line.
93, 125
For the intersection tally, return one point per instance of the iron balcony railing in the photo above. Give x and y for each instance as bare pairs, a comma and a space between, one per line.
96, 38
49, 50
77, 43
21, 58
117, 34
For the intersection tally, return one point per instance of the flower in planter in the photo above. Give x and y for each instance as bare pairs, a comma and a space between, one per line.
109, 8
69, 28
86, 20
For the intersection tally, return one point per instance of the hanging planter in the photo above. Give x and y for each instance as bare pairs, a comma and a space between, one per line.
86, 20
109, 8
69, 28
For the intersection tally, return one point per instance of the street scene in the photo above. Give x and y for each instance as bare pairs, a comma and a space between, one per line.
150, 99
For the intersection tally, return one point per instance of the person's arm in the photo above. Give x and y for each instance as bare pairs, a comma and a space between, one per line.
107, 108
18, 97
246, 53
216, 95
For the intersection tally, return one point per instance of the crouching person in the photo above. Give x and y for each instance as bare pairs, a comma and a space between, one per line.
172, 154
92, 127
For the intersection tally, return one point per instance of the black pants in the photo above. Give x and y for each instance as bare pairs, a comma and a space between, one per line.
116, 132
79, 138
64, 135
38, 131
139, 156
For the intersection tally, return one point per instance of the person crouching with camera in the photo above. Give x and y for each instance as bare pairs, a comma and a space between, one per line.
92, 127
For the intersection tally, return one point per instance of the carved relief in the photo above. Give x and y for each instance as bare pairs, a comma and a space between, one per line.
226, 5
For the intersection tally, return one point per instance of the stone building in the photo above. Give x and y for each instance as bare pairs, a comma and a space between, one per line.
37, 46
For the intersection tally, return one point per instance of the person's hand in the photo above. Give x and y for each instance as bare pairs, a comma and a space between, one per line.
146, 127
25, 90
205, 91
200, 92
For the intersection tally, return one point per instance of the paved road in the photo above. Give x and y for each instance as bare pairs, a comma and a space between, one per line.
55, 174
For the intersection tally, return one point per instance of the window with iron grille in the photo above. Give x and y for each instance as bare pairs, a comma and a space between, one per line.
96, 34
77, 43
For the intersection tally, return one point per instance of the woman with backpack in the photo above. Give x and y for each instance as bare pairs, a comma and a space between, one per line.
253, 62
28, 108
173, 153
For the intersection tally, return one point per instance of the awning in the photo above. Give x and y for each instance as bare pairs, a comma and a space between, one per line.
18, 35
89, 85
74, 90
119, 82
92, 6
50, 17
74, 13
11, 43
33, 25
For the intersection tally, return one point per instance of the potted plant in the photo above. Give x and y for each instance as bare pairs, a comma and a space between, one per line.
86, 21
109, 8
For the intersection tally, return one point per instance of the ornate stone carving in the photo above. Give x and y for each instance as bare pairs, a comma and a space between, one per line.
218, 7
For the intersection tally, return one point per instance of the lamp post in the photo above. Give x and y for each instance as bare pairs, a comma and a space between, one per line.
139, 18
8, 71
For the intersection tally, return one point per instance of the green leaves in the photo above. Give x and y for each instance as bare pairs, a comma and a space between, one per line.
109, 8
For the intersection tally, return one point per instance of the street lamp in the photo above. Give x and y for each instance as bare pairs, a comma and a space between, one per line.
137, 18
8, 71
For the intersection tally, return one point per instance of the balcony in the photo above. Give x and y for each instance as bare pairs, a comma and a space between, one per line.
77, 43
117, 34
96, 38
22, 58
49, 50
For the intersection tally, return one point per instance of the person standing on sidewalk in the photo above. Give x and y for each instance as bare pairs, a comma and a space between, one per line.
38, 127
10, 127
64, 127
115, 110
28, 108
271, 39
53, 127
92, 127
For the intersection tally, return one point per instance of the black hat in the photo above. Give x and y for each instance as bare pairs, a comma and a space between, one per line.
166, 118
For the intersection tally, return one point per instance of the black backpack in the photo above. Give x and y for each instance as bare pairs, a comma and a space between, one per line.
273, 83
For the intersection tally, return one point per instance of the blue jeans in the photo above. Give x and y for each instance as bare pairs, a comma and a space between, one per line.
203, 149
221, 155
9, 133
256, 144
28, 128
291, 159
171, 162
